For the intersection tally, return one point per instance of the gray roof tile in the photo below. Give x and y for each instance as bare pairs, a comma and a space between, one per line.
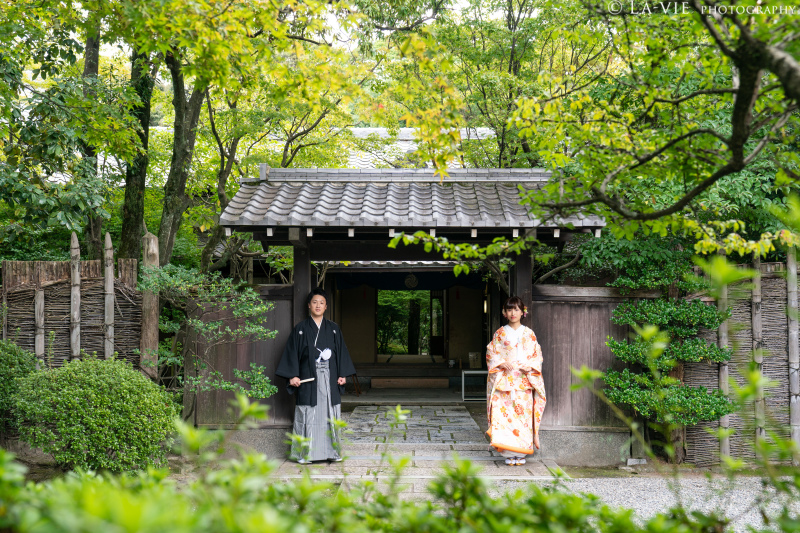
378, 197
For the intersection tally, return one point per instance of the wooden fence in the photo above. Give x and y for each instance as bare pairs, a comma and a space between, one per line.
57, 309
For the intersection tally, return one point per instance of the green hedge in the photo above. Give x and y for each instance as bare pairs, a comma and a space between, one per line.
15, 363
96, 414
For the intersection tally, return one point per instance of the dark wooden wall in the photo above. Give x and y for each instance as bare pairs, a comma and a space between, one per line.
214, 408
572, 325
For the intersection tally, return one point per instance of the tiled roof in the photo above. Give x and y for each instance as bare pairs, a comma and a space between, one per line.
391, 198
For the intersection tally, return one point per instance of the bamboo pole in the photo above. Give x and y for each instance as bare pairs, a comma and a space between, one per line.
149, 338
794, 349
4, 303
108, 283
75, 298
757, 328
724, 422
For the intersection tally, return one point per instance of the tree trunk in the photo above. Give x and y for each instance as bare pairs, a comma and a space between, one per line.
91, 67
226, 160
413, 327
187, 114
130, 246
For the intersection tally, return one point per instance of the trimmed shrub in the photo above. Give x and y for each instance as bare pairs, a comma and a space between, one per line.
96, 414
15, 363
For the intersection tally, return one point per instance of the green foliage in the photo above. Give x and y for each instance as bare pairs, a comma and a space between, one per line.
646, 388
243, 495
210, 311
691, 350
681, 318
393, 320
646, 262
15, 363
664, 399
652, 141
96, 414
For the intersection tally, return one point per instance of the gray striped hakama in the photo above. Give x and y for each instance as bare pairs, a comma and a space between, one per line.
314, 423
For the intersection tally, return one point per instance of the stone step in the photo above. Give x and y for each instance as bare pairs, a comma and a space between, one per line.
410, 383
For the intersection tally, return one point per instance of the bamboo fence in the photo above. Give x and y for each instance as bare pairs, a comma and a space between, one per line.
58, 309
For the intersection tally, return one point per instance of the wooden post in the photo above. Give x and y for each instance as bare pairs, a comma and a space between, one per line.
722, 305
523, 272
794, 350
302, 273
760, 407
108, 283
75, 298
149, 337
38, 309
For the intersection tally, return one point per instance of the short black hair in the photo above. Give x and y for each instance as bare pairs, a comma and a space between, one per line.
511, 303
316, 292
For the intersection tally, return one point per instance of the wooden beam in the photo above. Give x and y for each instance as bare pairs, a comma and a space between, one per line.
108, 285
75, 298
295, 237
369, 251
148, 343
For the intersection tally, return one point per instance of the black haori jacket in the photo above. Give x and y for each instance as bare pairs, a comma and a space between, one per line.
300, 355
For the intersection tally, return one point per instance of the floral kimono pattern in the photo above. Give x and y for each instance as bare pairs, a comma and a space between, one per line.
515, 399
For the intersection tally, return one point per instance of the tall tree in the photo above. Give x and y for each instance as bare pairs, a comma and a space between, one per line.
690, 101
143, 75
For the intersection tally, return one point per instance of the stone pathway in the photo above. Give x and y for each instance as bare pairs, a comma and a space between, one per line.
430, 437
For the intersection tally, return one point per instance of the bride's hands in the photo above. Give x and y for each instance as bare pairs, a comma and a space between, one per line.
505, 366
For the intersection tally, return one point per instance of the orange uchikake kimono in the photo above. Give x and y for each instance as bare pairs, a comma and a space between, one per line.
515, 400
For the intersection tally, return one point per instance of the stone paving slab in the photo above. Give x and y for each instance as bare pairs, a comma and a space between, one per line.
429, 438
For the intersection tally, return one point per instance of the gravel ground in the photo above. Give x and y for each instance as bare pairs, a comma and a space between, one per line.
648, 496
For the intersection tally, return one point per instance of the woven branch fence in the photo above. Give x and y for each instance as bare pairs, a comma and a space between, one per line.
759, 321
58, 309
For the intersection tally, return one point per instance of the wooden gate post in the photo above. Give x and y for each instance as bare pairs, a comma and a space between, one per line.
75, 298
793, 349
108, 283
523, 274
302, 273
149, 339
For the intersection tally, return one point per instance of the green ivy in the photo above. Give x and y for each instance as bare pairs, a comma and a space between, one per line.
15, 363
96, 414
665, 399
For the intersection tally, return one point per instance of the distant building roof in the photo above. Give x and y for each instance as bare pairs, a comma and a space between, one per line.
405, 143
390, 198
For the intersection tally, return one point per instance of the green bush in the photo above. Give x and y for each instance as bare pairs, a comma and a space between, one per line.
14, 363
96, 414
